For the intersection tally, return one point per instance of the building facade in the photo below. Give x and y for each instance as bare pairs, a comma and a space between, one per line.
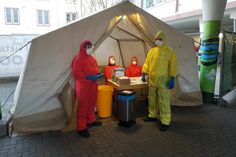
186, 16
34, 16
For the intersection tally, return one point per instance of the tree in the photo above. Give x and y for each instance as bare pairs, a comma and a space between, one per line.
86, 7
91, 6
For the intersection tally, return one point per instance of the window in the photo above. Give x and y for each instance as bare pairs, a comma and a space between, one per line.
12, 16
163, 1
149, 3
71, 17
43, 17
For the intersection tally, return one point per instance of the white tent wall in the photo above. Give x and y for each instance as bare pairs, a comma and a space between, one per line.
130, 49
108, 48
47, 69
127, 26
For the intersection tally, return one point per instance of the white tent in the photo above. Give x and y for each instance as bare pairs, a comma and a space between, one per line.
123, 31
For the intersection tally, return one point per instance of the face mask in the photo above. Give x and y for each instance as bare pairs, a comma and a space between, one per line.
159, 43
89, 51
134, 63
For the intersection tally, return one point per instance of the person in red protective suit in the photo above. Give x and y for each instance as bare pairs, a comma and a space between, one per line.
108, 70
85, 72
133, 70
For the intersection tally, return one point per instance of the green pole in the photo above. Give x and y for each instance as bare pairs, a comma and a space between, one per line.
209, 52
212, 11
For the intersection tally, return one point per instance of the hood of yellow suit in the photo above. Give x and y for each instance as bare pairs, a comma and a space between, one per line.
161, 35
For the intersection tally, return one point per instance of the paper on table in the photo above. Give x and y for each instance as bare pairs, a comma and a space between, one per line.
136, 80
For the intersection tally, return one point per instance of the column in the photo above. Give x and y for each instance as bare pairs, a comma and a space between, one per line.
213, 11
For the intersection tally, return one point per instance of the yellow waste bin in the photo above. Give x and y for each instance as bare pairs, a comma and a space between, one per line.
104, 101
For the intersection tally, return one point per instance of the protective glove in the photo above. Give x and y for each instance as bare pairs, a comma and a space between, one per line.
100, 75
171, 82
144, 77
91, 77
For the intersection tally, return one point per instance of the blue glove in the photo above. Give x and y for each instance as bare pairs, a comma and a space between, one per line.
91, 77
171, 82
144, 77
100, 75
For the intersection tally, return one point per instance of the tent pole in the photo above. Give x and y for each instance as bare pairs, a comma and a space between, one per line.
129, 33
141, 31
112, 37
145, 48
104, 36
121, 53
132, 40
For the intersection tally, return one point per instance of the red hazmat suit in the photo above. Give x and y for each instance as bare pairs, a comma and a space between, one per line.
86, 90
133, 70
109, 69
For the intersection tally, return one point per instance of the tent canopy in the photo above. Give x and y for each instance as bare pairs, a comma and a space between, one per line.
122, 31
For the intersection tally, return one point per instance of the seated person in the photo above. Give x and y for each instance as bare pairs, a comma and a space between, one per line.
134, 70
108, 70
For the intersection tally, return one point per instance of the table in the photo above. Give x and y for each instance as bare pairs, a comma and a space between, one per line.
135, 83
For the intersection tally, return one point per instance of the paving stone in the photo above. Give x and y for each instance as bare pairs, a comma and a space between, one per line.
25, 154
3, 154
206, 131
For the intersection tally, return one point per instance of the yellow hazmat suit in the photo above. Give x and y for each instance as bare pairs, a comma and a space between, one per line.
160, 65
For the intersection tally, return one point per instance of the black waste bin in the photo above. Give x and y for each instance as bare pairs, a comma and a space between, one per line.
125, 106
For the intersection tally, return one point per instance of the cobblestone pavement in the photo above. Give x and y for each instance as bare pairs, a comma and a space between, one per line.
206, 131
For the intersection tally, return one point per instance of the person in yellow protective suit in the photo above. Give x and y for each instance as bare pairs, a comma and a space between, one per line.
161, 66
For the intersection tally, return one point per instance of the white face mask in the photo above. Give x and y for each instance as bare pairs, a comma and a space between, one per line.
134, 62
89, 51
159, 43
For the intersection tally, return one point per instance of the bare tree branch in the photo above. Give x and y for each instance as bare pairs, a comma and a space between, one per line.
91, 6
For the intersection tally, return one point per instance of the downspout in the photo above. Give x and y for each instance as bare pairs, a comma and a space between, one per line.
234, 25
177, 6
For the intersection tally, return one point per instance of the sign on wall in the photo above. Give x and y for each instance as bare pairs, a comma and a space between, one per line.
9, 45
